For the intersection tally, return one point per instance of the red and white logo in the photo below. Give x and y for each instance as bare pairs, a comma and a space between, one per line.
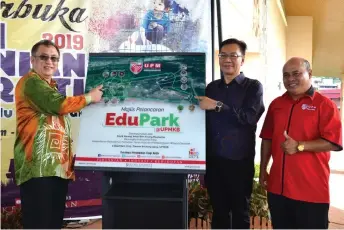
308, 107
193, 153
136, 67
152, 66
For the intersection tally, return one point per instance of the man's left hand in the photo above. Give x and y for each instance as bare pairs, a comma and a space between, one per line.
206, 103
289, 146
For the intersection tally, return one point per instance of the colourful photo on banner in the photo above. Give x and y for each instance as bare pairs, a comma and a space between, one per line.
149, 118
150, 26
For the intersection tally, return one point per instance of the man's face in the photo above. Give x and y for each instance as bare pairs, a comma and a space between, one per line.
159, 5
231, 59
45, 61
296, 78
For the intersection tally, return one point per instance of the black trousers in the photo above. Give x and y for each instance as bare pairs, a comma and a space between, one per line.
293, 214
229, 183
43, 202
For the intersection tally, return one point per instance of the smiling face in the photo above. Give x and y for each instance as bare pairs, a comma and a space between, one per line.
296, 77
45, 61
231, 60
159, 5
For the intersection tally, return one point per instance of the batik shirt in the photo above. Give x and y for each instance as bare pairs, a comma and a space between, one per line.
43, 145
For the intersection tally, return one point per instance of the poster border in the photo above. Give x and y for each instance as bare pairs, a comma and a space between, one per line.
115, 54
143, 170
150, 170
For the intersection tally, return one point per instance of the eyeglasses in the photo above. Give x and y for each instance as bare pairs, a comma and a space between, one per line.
231, 56
46, 58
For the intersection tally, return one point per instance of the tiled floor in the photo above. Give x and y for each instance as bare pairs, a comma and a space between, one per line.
93, 224
336, 213
336, 210
337, 190
336, 218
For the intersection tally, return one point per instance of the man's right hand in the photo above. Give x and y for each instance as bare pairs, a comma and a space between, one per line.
96, 94
263, 178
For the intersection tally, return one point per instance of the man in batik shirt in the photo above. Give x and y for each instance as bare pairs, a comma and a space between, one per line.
43, 157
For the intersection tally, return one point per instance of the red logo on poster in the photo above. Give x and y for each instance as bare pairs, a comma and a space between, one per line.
193, 153
136, 67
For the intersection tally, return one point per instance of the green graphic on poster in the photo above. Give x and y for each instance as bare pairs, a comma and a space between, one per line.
149, 117
173, 78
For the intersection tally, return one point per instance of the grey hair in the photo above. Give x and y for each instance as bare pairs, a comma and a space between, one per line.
306, 64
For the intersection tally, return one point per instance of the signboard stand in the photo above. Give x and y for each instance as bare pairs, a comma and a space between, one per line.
146, 136
137, 200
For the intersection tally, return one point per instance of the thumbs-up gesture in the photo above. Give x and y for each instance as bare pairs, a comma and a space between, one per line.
289, 146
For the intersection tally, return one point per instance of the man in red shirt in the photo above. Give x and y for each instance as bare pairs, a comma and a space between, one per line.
300, 129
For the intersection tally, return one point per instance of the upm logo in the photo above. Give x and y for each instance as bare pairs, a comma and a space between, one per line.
308, 107
193, 153
152, 66
136, 67
144, 119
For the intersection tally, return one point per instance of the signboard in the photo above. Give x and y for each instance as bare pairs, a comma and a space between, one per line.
149, 118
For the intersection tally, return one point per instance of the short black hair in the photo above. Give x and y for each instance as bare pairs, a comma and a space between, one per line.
43, 43
242, 45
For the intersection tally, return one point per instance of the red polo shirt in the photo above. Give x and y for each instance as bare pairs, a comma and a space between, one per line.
304, 175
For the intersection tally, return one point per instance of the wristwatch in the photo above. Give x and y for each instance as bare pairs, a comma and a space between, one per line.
300, 147
218, 106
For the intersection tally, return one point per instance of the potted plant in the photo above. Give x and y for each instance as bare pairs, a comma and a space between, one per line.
200, 211
12, 219
259, 210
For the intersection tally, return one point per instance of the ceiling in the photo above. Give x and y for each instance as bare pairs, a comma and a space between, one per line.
328, 33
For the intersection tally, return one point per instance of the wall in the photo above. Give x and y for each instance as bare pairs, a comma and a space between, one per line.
300, 37
264, 64
275, 59
341, 103
237, 22
276, 51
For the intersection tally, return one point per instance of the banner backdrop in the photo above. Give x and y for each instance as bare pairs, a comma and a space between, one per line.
79, 27
23, 23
